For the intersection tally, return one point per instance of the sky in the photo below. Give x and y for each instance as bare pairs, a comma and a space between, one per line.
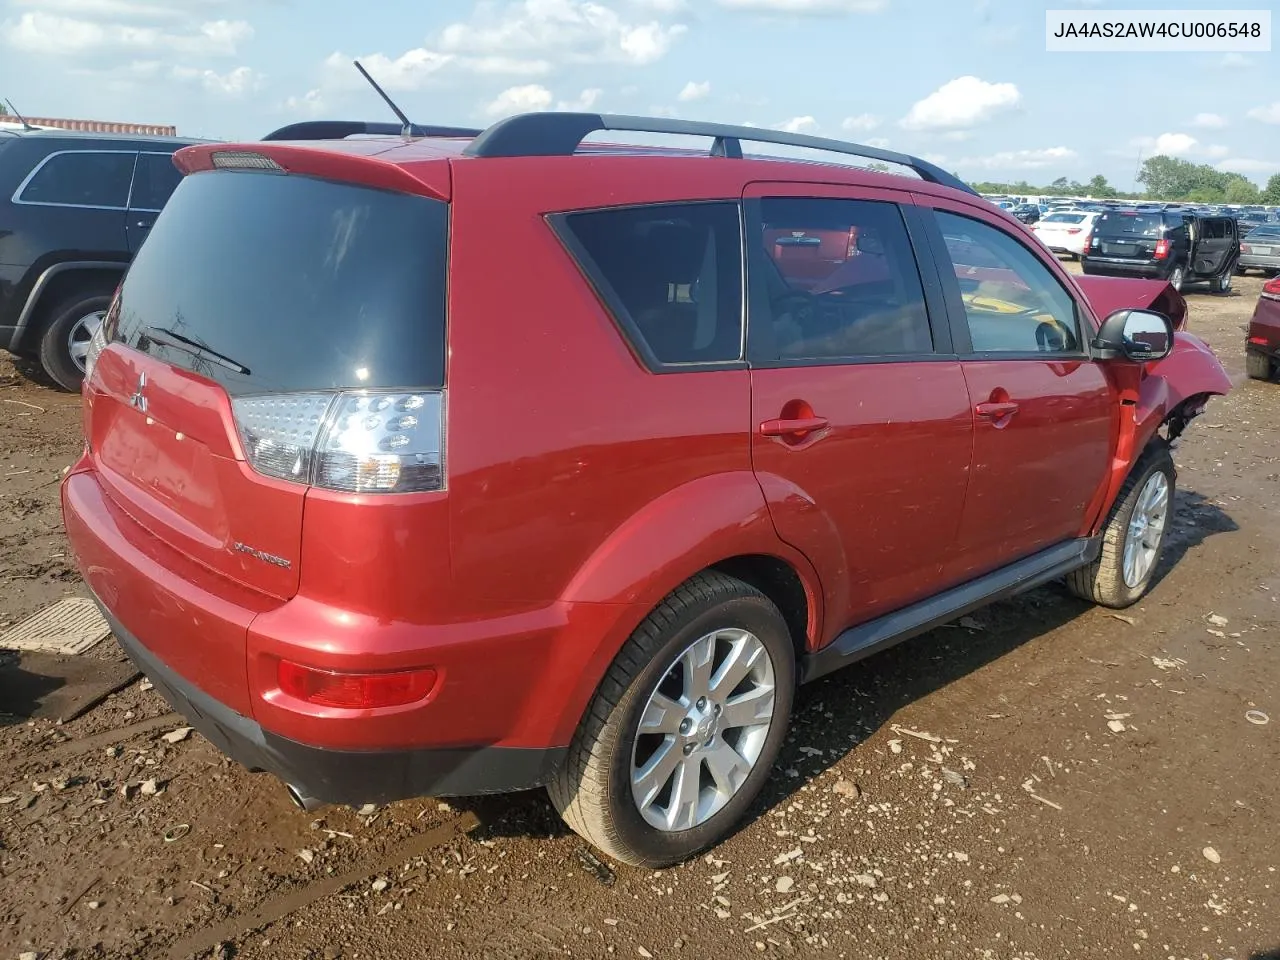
964, 83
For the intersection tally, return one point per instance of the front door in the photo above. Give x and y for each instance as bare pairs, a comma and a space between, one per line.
1045, 417
154, 179
861, 420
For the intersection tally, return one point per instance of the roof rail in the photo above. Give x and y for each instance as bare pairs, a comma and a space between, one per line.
341, 129
555, 134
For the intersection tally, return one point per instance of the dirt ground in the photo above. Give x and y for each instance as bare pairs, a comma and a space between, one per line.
1096, 791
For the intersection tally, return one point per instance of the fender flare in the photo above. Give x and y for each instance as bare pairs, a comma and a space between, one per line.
685, 531
42, 283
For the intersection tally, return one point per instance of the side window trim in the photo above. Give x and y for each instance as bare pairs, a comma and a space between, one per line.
956, 314
26, 181
617, 311
760, 349
137, 165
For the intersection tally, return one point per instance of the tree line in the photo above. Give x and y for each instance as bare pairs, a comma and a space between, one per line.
1165, 178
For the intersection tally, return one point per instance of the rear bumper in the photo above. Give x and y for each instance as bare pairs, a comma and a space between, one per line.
342, 776
1115, 267
1254, 260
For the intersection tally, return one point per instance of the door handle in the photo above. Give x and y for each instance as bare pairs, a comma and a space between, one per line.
144, 224
996, 409
789, 428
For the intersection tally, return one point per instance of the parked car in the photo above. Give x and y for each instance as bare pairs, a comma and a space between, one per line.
1065, 231
1026, 212
1262, 348
1260, 249
661, 490
1169, 245
74, 209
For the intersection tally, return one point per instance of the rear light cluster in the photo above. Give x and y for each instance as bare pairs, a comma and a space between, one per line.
97, 343
1162, 249
354, 442
1271, 289
354, 691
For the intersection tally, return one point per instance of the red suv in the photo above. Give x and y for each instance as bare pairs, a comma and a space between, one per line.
446, 464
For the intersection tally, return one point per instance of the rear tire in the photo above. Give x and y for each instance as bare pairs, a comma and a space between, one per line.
1134, 534
65, 338
598, 789
1258, 367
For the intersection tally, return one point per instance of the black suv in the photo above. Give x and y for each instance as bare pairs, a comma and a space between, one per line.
1174, 245
74, 208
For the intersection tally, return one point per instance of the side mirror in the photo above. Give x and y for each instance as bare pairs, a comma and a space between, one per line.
1139, 336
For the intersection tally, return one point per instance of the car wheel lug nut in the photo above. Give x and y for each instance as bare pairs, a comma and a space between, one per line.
686, 725
702, 703
688, 748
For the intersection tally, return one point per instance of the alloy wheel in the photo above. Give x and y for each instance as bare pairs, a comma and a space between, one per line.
81, 333
1146, 530
702, 730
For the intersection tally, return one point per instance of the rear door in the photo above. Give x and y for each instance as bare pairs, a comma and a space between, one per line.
862, 428
82, 196
1213, 245
256, 299
1044, 416
154, 180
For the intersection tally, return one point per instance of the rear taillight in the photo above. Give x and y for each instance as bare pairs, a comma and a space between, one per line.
354, 691
1245, 248
1271, 289
1162, 249
1073, 230
97, 343
354, 442
1087, 243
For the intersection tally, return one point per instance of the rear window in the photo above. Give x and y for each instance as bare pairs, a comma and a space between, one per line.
1129, 225
671, 275
270, 283
1064, 218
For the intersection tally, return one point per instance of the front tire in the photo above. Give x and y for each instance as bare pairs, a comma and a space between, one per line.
1222, 282
685, 727
1133, 535
65, 341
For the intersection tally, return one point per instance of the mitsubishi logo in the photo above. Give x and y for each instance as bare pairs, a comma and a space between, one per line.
139, 400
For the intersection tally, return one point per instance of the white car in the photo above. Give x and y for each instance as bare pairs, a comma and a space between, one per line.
1065, 231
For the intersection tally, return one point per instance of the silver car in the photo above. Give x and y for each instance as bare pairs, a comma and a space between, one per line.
1260, 248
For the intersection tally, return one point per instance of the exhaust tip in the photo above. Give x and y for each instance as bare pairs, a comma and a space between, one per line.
300, 799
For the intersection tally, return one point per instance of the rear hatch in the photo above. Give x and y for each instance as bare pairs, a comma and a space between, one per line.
1129, 235
276, 331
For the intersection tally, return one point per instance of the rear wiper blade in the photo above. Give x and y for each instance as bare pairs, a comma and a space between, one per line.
167, 337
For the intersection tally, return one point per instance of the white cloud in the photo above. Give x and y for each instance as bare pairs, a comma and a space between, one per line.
804, 7
1247, 165
234, 83
1217, 150
409, 71
1022, 159
1174, 144
509, 66
586, 100
1268, 114
114, 9
694, 91
311, 104
662, 6
862, 123
579, 31
798, 125
962, 102
528, 98
957, 136
54, 35
1231, 61
1209, 121
879, 142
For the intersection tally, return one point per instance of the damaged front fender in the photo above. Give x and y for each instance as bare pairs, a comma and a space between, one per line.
1174, 390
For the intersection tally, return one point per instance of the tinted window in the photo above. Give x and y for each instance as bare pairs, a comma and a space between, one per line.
1264, 233
1012, 302
1216, 229
671, 274
84, 179
154, 181
1064, 218
839, 279
306, 283
1130, 225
